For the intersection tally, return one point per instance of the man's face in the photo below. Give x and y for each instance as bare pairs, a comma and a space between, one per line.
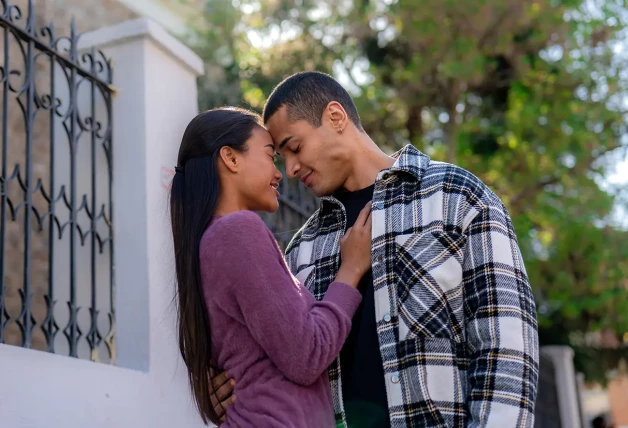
315, 156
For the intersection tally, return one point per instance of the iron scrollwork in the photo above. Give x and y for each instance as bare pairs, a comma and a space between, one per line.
47, 75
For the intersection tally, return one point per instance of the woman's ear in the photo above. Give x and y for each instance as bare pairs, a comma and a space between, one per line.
230, 159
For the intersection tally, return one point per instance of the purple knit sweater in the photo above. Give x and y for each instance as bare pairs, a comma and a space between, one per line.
267, 330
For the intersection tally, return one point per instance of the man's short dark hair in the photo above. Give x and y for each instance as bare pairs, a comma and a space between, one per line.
306, 95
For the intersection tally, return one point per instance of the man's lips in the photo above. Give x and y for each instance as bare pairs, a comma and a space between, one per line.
306, 179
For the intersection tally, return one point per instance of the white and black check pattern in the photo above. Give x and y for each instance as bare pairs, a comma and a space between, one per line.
455, 313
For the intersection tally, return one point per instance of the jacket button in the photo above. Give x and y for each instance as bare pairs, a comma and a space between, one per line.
379, 206
394, 378
387, 318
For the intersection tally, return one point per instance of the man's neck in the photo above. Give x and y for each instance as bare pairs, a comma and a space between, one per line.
368, 161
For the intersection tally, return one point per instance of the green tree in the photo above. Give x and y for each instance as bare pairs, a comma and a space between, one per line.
527, 94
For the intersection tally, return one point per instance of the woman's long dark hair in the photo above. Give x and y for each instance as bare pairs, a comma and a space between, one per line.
193, 199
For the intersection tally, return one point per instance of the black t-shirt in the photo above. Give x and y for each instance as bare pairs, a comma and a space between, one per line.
363, 382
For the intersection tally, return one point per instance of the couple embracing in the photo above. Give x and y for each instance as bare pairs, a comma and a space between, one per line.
402, 302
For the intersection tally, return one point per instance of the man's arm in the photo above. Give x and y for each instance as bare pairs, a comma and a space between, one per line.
223, 396
501, 327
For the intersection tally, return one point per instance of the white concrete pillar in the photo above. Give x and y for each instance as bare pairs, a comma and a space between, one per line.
155, 77
566, 387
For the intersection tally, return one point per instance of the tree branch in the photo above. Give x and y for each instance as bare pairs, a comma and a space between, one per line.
537, 187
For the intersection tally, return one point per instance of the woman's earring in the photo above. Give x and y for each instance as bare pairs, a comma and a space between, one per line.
340, 130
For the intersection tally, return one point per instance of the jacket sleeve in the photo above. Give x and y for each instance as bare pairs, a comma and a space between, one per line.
501, 324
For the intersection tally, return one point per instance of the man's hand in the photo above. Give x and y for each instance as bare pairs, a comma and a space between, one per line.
223, 392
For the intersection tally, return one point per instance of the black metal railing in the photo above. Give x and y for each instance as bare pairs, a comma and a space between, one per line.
55, 191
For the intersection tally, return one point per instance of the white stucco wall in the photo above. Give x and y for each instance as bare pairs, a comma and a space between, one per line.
156, 80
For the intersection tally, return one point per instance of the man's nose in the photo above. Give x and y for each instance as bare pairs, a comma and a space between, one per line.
292, 168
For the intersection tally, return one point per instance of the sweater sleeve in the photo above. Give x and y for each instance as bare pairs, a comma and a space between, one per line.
300, 335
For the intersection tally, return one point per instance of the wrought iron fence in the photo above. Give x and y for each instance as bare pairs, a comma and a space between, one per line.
56, 246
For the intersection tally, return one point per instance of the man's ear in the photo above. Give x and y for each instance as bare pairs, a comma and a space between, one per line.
336, 116
230, 159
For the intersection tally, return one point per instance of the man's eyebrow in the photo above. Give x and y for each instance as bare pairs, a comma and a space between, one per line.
284, 142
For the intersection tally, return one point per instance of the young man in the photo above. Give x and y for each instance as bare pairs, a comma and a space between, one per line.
447, 333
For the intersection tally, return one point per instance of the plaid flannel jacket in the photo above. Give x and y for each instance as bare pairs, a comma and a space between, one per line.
456, 318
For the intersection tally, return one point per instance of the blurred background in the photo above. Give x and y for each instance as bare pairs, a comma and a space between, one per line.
529, 95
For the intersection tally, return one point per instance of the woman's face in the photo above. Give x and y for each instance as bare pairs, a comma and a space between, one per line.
259, 177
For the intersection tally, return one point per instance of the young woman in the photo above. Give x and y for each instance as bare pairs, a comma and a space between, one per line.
267, 331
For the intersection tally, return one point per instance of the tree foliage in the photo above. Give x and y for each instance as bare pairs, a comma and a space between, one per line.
529, 95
